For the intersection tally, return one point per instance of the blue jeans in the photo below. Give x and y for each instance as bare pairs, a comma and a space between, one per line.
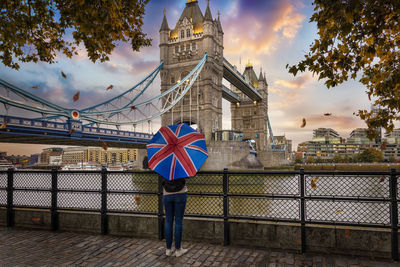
174, 208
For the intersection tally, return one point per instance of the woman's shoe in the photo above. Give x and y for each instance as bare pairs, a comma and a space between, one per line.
169, 252
179, 252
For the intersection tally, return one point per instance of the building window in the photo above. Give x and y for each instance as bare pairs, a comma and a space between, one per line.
188, 47
176, 49
182, 48
188, 33
194, 46
172, 79
182, 34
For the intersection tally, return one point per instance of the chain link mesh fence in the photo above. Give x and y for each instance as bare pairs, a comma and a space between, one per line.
265, 208
370, 186
32, 180
3, 186
79, 181
37, 199
204, 205
79, 200
348, 212
125, 192
264, 184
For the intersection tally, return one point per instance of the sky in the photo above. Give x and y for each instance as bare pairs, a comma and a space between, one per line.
268, 33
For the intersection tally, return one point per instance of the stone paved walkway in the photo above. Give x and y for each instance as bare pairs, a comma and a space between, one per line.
45, 248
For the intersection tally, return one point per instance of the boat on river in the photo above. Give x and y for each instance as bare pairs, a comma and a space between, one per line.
82, 166
5, 165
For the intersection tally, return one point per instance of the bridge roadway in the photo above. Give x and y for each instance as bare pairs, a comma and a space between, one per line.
232, 75
33, 131
44, 248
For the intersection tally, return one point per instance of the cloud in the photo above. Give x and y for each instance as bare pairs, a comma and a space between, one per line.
296, 83
257, 27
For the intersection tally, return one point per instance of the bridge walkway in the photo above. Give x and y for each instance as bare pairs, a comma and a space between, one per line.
46, 248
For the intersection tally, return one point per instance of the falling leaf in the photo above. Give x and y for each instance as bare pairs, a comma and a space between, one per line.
304, 123
347, 233
137, 199
382, 179
314, 183
64, 75
35, 87
3, 125
339, 211
327, 114
110, 87
71, 131
133, 107
76, 97
104, 145
383, 146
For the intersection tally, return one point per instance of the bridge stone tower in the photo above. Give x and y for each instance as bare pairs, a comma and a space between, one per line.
248, 116
181, 49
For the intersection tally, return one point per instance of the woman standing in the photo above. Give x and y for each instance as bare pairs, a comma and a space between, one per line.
174, 199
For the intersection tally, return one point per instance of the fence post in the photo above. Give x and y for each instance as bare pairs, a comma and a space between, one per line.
54, 191
160, 213
104, 219
225, 185
394, 214
302, 211
10, 197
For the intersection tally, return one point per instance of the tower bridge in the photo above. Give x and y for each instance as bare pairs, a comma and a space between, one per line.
192, 68
181, 47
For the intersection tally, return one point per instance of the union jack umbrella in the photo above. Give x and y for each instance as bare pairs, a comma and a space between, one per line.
177, 151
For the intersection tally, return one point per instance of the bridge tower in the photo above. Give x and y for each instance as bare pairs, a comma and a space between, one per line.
249, 116
181, 49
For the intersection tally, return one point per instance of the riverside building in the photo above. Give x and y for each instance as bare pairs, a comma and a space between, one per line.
327, 143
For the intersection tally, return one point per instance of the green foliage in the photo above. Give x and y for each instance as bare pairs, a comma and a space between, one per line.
369, 155
298, 160
310, 160
337, 159
35, 30
359, 37
392, 159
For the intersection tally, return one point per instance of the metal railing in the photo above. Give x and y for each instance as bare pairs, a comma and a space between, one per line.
367, 199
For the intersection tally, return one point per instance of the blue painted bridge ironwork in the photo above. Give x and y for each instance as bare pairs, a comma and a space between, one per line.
71, 132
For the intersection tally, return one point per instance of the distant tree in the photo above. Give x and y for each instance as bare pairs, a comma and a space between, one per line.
359, 37
392, 158
347, 159
310, 160
370, 155
337, 159
319, 160
298, 160
35, 30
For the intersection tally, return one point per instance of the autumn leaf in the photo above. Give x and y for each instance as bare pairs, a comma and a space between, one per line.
76, 97
339, 211
347, 233
314, 183
71, 131
3, 125
137, 199
304, 123
327, 114
35, 87
64, 75
110, 87
382, 179
104, 145
133, 107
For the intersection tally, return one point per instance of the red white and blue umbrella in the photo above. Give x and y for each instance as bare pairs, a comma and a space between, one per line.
177, 151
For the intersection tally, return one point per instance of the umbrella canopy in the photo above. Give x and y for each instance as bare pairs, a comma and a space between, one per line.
177, 151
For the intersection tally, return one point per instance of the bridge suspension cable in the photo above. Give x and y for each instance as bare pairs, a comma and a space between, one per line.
132, 107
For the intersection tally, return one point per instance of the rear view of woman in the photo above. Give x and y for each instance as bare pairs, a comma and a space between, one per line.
174, 199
